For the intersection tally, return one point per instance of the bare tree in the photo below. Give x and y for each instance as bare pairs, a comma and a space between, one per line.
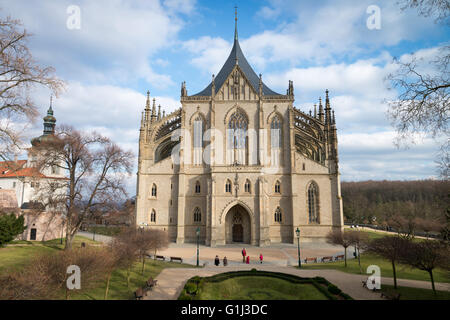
427, 255
340, 238
424, 86
391, 248
19, 73
127, 253
439, 9
360, 240
96, 169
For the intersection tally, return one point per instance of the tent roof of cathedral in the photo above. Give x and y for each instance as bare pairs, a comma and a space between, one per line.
236, 57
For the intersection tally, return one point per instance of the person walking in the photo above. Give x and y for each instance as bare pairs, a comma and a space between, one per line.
225, 261
217, 261
260, 258
244, 253
248, 260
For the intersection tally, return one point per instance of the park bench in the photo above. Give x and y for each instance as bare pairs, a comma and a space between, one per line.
139, 294
340, 257
327, 259
310, 260
172, 259
160, 258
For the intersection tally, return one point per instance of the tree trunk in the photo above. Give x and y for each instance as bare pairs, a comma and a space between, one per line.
432, 280
107, 285
395, 274
345, 256
128, 276
143, 264
359, 261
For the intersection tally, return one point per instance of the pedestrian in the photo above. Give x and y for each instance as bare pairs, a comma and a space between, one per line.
248, 260
225, 261
217, 261
244, 253
260, 258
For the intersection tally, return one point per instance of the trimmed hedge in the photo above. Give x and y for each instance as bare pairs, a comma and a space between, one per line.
331, 291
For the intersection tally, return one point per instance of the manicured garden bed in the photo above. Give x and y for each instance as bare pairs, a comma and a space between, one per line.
260, 285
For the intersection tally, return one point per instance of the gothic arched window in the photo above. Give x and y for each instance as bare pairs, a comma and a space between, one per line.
277, 187
313, 197
197, 187
198, 140
197, 215
228, 186
154, 190
278, 216
153, 216
275, 141
237, 138
247, 186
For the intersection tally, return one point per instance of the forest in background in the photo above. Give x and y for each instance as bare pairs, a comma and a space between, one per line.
376, 202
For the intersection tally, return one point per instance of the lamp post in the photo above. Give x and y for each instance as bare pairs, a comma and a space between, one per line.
198, 240
298, 246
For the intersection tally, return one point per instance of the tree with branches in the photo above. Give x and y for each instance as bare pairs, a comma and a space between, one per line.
19, 74
340, 238
390, 248
96, 169
423, 83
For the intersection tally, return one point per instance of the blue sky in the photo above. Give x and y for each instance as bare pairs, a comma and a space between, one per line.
124, 48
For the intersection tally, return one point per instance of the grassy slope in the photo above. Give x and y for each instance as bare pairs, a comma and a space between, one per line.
18, 255
259, 288
118, 289
20, 252
407, 293
403, 271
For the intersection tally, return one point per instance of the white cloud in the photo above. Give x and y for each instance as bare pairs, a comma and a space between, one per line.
210, 53
114, 44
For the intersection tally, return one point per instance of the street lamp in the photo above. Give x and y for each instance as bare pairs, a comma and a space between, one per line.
298, 246
198, 239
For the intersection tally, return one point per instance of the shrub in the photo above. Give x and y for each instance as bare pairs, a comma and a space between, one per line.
333, 289
254, 270
190, 288
184, 296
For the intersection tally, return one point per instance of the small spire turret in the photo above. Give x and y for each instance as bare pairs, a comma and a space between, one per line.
320, 110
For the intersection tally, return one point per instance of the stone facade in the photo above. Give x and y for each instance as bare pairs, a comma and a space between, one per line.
239, 163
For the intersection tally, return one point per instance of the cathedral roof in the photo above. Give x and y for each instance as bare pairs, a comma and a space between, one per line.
236, 57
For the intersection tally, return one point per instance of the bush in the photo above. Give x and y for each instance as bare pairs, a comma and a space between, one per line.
190, 288
184, 296
254, 270
333, 289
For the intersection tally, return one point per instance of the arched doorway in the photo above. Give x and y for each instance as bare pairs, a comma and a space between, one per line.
237, 225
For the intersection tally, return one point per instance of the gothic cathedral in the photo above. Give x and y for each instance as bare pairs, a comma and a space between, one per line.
239, 163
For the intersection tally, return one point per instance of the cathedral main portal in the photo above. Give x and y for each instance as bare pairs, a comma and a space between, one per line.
237, 226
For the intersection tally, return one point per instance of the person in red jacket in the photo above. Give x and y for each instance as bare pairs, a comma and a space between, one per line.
248, 260
244, 253
260, 257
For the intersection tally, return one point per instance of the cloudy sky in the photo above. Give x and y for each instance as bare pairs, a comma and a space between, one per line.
123, 48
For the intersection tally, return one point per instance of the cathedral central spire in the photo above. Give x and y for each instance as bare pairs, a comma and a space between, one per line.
235, 24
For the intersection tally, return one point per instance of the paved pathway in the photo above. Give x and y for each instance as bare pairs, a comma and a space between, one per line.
171, 281
97, 237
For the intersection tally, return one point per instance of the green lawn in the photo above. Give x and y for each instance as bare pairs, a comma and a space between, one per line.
118, 289
403, 271
408, 293
107, 231
259, 288
20, 252
16, 256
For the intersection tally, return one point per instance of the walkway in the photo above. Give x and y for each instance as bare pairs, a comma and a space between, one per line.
171, 281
